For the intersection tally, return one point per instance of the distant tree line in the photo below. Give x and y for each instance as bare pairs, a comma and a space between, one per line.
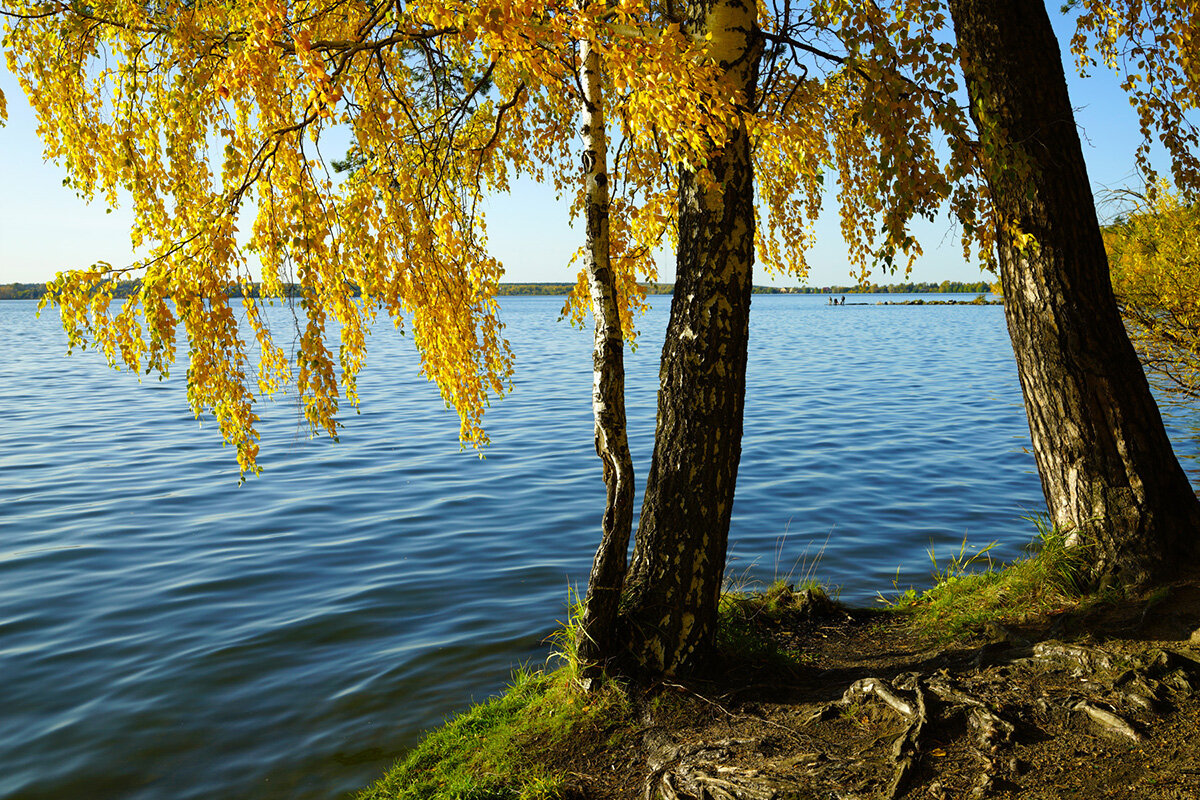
22, 291
945, 287
34, 291
120, 289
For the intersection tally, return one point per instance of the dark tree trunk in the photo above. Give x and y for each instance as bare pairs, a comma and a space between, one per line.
597, 634
1109, 475
679, 554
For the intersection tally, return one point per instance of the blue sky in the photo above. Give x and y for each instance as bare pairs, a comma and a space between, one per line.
44, 227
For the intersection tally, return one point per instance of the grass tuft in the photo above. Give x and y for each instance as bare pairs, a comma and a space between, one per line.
748, 609
565, 640
746, 619
967, 595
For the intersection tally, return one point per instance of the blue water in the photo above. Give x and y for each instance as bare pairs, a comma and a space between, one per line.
165, 633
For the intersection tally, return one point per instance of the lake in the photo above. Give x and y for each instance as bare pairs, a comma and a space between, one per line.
167, 633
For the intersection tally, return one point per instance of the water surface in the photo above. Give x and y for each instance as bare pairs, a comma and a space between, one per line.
165, 633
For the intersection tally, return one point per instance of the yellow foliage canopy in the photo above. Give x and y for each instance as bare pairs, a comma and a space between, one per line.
211, 118
1154, 45
1154, 256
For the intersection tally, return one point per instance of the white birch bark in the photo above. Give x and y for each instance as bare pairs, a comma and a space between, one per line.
598, 640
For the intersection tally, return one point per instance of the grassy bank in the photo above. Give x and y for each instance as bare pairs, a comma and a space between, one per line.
542, 737
971, 592
518, 745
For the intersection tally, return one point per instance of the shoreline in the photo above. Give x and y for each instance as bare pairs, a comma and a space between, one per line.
1091, 697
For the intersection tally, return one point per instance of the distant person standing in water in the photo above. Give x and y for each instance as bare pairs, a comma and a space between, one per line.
843, 299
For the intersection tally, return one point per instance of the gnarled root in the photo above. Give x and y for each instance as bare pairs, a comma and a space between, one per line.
990, 731
702, 771
881, 730
906, 748
1109, 722
1084, 659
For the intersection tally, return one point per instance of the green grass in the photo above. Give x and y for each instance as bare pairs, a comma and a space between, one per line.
507, 747
514, 746
772, 603
972, 590
498, 750
745, 618
565, 639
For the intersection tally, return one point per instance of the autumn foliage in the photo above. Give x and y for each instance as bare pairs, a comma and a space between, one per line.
1154, 255
217, 124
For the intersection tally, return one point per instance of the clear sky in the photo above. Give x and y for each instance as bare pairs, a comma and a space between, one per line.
44, 227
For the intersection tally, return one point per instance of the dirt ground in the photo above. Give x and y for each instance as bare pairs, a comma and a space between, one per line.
1096, 704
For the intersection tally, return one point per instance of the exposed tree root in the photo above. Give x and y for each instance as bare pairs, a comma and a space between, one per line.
907, 747
930, 734
702, 771
992, 733
1085, 659
1109, 722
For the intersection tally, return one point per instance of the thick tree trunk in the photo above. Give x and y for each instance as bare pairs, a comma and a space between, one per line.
597, 637
679, 554
1109, 475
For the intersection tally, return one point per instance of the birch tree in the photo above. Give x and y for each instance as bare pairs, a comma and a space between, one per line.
212, 119
598, 629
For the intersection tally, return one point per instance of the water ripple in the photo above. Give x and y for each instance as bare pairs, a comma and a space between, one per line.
165, 633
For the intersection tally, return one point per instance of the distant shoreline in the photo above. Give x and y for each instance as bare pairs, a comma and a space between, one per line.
35, 291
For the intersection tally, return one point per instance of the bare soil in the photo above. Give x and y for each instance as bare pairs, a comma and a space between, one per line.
854, 704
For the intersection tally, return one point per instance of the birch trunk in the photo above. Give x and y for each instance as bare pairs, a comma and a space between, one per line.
679, 555
1110, 478
597, 637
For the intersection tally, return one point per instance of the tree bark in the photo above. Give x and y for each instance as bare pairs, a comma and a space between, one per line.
597, 633
1110, 478
679, 553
